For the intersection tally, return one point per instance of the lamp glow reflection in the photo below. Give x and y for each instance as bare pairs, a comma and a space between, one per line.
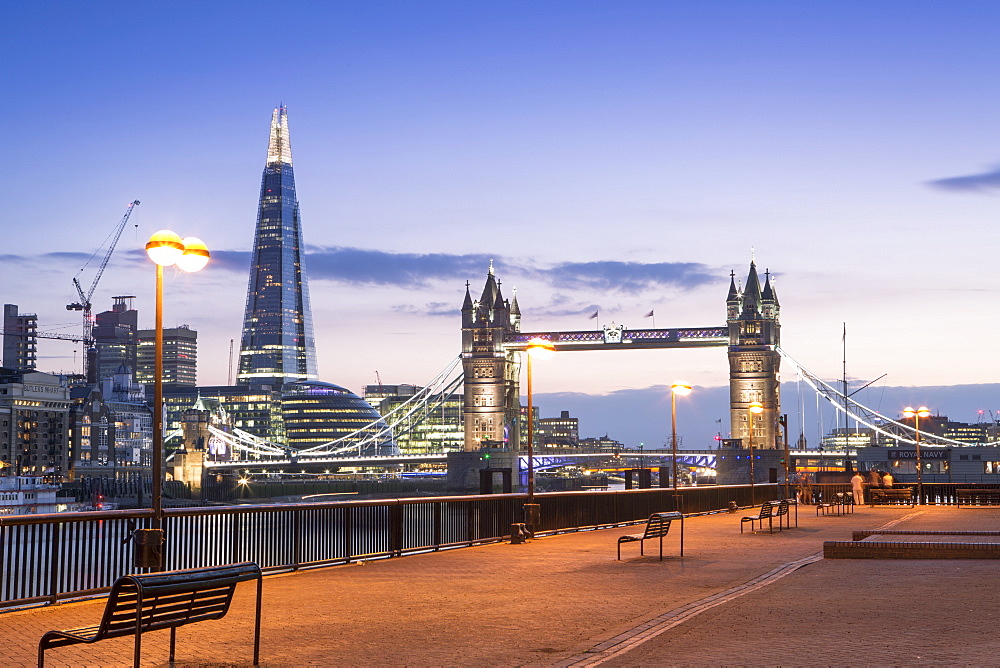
755, 408
165, 249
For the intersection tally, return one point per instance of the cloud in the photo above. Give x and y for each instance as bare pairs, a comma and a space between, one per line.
358, 266
971, 183
629, 277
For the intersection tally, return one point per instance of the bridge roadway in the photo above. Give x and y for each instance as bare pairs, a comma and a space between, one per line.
564, 600
542, 459
703, 458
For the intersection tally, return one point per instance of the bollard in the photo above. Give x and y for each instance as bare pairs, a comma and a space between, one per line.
518, 534
532, 516
148, 548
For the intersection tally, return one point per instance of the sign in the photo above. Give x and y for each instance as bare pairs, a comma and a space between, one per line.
895, 453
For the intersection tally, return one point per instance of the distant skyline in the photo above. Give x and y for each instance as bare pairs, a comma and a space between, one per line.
612, 157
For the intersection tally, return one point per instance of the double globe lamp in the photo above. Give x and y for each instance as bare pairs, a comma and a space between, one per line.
165, 249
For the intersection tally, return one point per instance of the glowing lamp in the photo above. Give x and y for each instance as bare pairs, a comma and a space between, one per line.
541, 348
164, 248
195, 255
681, 388
923, 412
756, 407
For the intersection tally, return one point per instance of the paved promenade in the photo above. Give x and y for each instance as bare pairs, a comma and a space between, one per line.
750, 599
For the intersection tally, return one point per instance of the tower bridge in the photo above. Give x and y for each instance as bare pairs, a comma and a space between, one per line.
489, 368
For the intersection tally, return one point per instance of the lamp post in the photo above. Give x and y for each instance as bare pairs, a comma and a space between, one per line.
683, 389
921, 412
164, 248
755, 408
542, 349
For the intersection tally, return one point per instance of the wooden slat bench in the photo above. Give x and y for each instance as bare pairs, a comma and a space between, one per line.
657, 526
843, 502
147, 602
886, 495
978, 497
766, 513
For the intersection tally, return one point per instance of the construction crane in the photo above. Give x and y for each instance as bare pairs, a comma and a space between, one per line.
84, 304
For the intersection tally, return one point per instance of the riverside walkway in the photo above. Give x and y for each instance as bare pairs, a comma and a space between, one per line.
564, 600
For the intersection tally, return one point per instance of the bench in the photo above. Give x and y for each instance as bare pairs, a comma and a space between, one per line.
885, 495
978, 497
657, 526
779, 510
766, 513
147, 602
843, 502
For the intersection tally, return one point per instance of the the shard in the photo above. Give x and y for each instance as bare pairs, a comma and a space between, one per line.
278, 344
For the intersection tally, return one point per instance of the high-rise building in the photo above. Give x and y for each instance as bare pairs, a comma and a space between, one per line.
277, 344
180, 356
19, 338
114, 337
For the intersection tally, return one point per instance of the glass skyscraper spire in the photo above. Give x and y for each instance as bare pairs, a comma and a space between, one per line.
278, 344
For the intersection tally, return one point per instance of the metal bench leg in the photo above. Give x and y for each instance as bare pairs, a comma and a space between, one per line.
173, 642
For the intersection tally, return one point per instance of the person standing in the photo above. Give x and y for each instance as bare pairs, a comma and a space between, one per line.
887, 480
874, 479
858, 488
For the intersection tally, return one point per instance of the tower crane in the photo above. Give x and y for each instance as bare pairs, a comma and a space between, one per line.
84, 304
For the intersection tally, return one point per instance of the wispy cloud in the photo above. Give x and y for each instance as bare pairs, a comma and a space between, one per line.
971, 183
610, 276
359, 266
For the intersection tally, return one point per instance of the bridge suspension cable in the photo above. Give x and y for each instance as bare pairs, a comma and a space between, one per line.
869, 417
400, 420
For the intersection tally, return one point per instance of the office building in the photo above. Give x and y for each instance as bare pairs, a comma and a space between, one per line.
180, 356
318, 414
20, 342
34, 421
115, 337
277, 345
434, 426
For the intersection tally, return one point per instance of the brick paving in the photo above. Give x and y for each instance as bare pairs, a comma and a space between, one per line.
564, 600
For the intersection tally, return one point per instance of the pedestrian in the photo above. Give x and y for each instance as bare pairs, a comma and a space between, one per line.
887, 480
874, 479
858, 488
805, 488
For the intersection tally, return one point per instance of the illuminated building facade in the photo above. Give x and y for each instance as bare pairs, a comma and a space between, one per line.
180, 356
34, 422
558, 432
277, 344
754, 360
115, 337
492, 401
315, 413
439, 428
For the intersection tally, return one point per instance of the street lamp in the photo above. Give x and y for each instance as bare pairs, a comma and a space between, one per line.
683, 389
755, 408
542, 349
921, 412
164, 248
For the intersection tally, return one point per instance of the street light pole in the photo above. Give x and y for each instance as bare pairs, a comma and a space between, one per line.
923, 411
541, 349
682, 389
164, 248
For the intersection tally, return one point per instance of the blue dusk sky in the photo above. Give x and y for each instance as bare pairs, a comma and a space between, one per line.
617, 157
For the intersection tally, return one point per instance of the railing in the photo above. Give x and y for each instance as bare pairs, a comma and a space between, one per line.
47, 558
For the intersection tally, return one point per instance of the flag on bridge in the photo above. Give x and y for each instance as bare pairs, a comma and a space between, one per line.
649, 315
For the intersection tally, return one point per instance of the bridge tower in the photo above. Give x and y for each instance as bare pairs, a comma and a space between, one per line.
754, 361
492, 399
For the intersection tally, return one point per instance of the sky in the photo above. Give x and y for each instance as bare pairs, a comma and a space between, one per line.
610, 157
